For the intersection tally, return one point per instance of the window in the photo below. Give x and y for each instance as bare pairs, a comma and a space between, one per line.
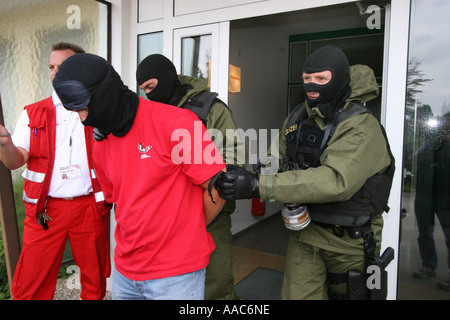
196, 57
148, 44
196, 53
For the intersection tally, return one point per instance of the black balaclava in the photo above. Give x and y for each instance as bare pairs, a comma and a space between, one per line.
111, 105
333, 94
169, 89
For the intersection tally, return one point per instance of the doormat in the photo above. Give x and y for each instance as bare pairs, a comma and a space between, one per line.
261, 284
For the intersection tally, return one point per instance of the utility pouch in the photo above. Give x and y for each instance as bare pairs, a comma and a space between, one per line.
356, 285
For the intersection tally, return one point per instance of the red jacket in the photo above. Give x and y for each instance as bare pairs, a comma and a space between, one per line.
39, 170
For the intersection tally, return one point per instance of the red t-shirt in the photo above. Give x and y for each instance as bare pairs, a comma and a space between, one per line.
160, 228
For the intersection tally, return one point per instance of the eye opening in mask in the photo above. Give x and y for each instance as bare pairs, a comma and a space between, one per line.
73, 94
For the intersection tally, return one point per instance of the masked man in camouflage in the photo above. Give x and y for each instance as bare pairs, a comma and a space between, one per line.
335, 158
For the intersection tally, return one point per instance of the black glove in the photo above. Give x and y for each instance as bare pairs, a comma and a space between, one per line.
98, 134
238, 183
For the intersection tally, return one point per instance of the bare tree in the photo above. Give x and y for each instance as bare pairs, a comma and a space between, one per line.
416, 79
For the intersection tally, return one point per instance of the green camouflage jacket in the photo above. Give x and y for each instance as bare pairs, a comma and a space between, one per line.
356, 151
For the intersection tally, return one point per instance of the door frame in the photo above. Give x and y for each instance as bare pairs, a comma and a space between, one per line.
220, 33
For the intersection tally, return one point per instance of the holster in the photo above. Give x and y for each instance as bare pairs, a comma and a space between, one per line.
357, 286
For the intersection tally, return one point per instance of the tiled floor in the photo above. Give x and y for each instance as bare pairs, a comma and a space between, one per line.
261, 245
264, 245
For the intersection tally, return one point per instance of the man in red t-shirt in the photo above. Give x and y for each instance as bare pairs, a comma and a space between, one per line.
156, 166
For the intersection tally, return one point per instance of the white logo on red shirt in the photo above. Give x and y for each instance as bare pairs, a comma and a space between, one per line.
144, 151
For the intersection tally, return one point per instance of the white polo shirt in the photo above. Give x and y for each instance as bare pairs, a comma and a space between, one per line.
70, 176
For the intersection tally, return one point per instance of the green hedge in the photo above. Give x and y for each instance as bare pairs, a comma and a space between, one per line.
4, 287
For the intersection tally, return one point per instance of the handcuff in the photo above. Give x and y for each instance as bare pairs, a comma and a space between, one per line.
211, 184
4, 135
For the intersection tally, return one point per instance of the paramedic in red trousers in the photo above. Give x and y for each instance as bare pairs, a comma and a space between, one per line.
158, 166
62, 196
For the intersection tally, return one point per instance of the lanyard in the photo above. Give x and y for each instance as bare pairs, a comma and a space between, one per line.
71, 125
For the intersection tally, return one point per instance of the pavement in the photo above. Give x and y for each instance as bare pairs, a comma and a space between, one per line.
66, 290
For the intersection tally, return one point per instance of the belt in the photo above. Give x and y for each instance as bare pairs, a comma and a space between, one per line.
72, 198
337, 229
355, 232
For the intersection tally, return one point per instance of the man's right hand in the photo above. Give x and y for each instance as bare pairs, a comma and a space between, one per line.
237, 183
12, 157
5, 136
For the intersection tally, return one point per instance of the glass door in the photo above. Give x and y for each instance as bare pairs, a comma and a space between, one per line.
196, 57
424, 268
196, 54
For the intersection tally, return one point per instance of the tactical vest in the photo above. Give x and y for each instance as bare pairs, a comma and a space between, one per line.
39, 169
305, 142
201, 104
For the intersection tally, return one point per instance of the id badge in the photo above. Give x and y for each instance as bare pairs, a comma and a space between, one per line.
70, 172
